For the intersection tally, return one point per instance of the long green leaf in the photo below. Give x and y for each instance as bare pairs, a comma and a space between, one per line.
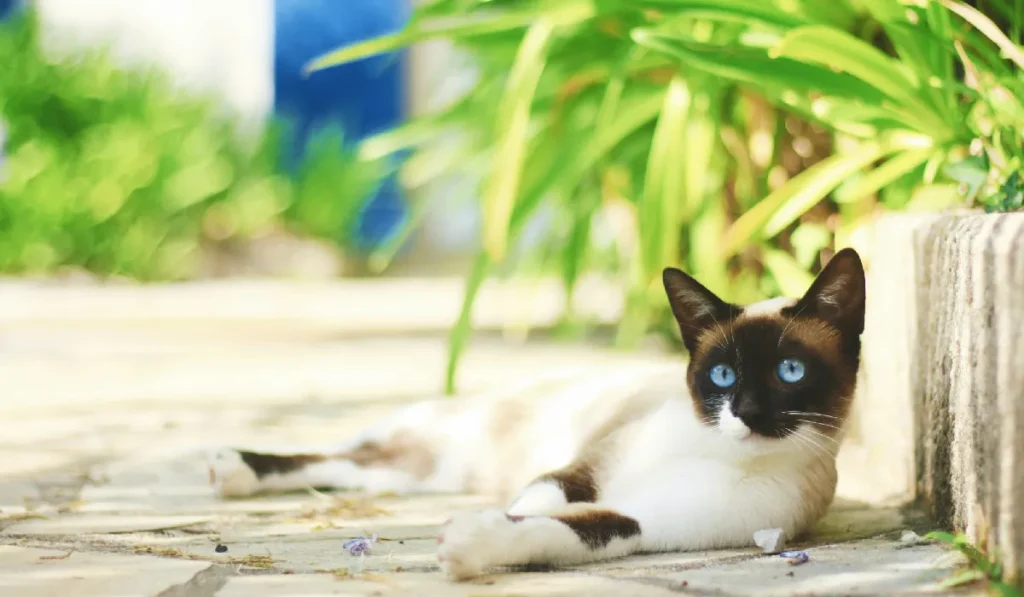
512, 128
988, 29
884, 174
559, 12
793, 279
459, 334
753, 65
660, 205
744, 11
816, 44
800, 193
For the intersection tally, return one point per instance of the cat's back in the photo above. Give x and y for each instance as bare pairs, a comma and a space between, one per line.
513, 435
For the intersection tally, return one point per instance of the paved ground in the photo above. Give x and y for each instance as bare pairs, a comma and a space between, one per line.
102, 492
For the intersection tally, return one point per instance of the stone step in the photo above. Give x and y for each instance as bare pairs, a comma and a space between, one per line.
942, 398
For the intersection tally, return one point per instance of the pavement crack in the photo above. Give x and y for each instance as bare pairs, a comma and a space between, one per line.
204, 583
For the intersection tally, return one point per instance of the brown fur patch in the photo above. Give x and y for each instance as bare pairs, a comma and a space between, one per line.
402, 453
577, 481
597, 528
280, 464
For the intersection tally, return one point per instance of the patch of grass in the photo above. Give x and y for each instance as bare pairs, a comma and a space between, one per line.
982, 569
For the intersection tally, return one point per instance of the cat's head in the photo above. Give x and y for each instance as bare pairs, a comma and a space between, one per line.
774, 368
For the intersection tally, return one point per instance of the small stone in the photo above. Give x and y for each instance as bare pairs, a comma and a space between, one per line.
795, 558
910, 538
220, 548
770, 540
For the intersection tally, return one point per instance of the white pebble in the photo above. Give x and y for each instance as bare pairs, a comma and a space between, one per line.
770, 540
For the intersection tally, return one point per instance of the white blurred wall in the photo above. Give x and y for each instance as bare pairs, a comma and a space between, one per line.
224, 47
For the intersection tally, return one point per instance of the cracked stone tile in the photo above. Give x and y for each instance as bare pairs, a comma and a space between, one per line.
29, 572
430, 585
78, 524
867, 567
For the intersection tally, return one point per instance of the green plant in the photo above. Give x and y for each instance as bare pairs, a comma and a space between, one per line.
980, 567
117, 172
741, 137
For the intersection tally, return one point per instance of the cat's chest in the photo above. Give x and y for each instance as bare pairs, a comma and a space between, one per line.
669, 479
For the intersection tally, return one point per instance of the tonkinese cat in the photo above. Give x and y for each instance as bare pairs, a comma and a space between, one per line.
632, 462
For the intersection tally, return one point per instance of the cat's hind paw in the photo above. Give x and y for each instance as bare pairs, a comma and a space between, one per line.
230, 476
471, 543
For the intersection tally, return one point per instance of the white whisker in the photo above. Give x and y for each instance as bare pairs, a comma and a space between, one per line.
809, 422
818, 433
810, 414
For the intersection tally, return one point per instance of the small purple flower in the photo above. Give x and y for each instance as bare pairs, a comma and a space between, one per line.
795, 558
360, 545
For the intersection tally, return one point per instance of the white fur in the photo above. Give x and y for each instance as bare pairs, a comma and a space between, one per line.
539, 499
229, 475
730, 424
767, 307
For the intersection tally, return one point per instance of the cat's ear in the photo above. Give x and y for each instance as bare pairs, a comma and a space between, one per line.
695, 307
837, 294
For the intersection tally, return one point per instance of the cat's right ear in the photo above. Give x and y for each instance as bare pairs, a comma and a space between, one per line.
695, 307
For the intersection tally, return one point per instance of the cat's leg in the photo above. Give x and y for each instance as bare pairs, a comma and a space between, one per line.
472, 543
552, 492
372, 467
393, 456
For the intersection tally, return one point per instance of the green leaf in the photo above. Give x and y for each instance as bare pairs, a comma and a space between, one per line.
748, 12
987, 28
459, 334
962, 578
891, 170
502, 186
971, 171
942, 536
557, 12
830, 47
660, 205
932, 198
793, 279
802, 192
754, 66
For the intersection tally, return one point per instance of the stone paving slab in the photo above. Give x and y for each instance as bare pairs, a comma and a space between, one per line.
27, 572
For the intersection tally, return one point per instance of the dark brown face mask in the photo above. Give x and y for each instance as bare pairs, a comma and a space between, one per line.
774, 368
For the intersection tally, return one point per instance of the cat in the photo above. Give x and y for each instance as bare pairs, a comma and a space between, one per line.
637, 461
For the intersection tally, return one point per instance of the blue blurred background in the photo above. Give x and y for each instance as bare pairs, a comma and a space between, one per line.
364, 97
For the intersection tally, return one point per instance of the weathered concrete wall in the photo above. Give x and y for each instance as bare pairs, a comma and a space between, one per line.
941, 408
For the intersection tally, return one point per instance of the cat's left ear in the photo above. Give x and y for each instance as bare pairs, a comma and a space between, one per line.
695, 307
837, 294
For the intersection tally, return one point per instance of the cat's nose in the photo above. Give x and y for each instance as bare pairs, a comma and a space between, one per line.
747, 410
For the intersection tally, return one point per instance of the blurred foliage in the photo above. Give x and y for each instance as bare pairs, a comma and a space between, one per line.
740, 139
118, 172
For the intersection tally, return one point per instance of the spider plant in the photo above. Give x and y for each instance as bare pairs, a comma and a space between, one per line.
740, 139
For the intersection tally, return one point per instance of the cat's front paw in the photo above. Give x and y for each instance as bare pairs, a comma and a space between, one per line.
471, 543
230, 476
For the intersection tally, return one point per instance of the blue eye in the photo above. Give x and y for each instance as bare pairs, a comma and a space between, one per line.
722, 375
791, 370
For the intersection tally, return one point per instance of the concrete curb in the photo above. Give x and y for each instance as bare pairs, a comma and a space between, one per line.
942, 398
